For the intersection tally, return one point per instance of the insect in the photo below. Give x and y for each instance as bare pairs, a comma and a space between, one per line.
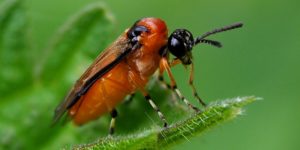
126, 66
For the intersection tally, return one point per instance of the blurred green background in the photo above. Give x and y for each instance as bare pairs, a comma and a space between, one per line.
261, 59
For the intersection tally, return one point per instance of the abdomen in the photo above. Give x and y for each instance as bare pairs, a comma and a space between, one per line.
103, 96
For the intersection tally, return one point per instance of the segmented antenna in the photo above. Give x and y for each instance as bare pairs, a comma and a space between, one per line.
210, 42
226, 28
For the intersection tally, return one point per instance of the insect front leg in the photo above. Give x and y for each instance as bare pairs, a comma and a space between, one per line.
165, 66
164, 83
191, 83
113, 114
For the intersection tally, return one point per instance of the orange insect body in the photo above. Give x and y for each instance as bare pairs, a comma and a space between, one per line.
126, 77
125, 67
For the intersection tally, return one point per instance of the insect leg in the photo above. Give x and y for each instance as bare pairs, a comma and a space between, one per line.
175, 62
161, 78
138, 83
129, 99
191, 83
165, 84
154, 106
165, 66
168, 86
113, 114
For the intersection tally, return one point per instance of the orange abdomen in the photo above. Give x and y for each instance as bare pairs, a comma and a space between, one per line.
126, 77
103, 96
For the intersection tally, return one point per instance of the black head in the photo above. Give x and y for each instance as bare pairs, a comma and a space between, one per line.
181, 42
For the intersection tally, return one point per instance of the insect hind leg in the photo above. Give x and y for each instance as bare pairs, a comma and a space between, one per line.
112, 125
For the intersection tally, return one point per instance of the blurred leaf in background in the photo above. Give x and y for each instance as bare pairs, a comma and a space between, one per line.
15, 54
33, 81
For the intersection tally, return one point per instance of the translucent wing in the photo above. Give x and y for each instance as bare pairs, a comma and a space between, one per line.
109, 58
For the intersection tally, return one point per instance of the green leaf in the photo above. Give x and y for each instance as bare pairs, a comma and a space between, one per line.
217, 113
26, 114
81, 38
15, 56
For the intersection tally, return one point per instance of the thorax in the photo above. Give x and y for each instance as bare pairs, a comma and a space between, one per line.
144, 62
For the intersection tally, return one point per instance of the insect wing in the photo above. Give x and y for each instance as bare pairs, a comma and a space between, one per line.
110, 57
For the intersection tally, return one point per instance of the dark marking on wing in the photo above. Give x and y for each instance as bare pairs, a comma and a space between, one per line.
98, 75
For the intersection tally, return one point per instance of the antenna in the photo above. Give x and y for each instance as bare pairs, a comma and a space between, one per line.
201, 39
210, 42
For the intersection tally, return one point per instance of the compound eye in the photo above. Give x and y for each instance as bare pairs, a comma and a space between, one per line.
176, 47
